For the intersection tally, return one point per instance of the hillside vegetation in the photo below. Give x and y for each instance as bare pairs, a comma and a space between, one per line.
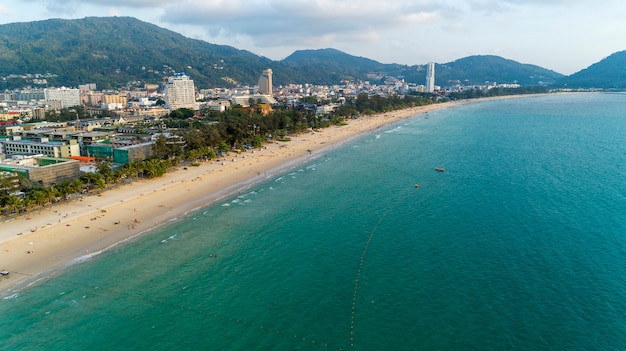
609, 73
113, 51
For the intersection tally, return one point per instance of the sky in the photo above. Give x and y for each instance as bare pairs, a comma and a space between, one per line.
562, 35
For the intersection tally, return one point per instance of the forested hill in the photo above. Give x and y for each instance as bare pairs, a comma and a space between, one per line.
609, 73
488, 68
112, 51
466, 71
341, 65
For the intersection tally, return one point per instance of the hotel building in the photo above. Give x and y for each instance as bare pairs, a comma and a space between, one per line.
180, 92
265, 82
430, 77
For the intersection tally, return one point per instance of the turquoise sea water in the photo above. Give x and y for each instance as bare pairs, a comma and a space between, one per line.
519, 245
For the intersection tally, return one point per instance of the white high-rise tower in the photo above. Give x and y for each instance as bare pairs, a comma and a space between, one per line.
430, 77
180, 92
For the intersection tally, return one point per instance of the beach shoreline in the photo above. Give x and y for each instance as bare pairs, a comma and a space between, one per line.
36, 247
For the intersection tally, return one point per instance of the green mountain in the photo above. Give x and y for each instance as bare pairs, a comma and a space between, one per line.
467, 71
112, 51
609, 73
337, 65
480, 69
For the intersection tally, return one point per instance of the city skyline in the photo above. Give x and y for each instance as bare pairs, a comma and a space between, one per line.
564, 36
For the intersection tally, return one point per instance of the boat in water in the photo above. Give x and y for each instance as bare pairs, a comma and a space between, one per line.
440, 169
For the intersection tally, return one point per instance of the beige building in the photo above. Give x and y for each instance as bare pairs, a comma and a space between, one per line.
43, 170
114, 99
265, 82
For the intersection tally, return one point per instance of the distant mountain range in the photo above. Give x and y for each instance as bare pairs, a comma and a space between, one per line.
113, 51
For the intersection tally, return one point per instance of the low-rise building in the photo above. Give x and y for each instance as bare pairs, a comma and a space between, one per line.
41, 146
43, 170
244, 100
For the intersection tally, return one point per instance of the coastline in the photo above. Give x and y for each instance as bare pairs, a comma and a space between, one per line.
78, 230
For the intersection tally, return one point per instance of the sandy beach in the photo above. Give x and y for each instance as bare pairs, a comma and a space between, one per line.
32, 246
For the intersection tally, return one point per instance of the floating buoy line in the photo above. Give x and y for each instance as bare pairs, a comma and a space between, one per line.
362, 260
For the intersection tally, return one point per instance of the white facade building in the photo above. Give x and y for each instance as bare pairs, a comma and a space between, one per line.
42, 147
430, 77
66, 96
180, 92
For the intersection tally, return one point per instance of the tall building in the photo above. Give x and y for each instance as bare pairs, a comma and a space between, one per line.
180, 92
265, 82
430, 77
66, 96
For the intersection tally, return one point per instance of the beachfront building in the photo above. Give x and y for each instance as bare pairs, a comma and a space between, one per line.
41, 169
41, 146
180, 92
430, 77
265, 82
65, 96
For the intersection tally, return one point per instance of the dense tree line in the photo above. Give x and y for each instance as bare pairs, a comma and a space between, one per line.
365, 104
480, 93
38, 196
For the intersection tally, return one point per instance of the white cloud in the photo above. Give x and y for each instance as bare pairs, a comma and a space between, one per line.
61, 4
113, 12
4, 10
282, 22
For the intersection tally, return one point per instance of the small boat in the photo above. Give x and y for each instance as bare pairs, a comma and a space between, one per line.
440, 169
417, 185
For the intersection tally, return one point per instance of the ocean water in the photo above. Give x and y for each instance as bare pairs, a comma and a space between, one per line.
519, 245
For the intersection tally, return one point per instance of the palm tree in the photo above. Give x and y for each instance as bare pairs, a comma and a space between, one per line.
150, 168
100, 183
63, 189
118, 175
76, 186
193, 155
89, 179
14, 204
27, 204
133, 169
53, 193
39, 197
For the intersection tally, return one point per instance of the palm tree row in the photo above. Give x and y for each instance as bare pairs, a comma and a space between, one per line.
31, 198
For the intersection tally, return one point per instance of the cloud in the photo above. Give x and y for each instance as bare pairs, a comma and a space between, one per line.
61, 4
4, 10
113, 12
286, 22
